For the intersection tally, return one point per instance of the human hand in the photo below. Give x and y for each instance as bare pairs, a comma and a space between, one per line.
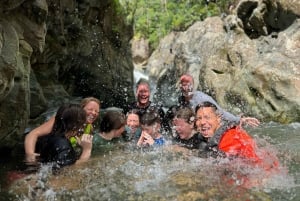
251, 121
145, 139
85, 141
31, 158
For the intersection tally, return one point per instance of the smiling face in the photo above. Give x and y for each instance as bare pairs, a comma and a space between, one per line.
133, 122
186, 88
92, 111
143, 95
186, 85
207, 121
183, 128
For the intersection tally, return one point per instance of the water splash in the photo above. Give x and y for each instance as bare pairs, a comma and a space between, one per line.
174, 173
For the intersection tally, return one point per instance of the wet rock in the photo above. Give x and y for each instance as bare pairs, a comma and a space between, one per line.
52, 52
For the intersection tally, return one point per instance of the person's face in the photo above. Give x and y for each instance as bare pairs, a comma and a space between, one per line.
143, 94
133, 121
186, 87
92, 109
183, 128
151, 129
207, 121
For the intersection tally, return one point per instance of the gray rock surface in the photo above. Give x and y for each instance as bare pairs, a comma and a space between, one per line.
248, 61
54, 51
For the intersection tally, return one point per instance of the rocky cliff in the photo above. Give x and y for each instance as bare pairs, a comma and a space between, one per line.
248, 61
54, 50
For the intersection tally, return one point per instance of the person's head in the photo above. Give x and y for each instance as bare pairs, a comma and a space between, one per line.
143, 92
133, 120
208, 119
113, 121
69, 117
91, 106
183, 123
150, 122
186, 84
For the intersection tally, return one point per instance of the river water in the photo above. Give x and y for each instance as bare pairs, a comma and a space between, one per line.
127, 173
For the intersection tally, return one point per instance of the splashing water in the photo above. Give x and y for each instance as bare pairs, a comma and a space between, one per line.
173, 173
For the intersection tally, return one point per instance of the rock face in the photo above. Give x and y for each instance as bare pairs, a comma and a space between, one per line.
248, 61
54, 50
140, 51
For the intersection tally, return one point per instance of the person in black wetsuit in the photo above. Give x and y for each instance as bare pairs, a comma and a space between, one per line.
183, 129
56, 147
143, 103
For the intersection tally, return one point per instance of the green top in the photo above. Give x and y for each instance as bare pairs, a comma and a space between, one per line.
102, 145
88, 129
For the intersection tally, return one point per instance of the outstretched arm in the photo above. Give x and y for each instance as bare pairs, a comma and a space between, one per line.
251, 121
237, 120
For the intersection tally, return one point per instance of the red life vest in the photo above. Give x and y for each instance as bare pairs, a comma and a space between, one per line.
237, 142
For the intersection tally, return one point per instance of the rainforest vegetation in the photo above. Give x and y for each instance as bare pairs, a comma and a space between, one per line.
156, 18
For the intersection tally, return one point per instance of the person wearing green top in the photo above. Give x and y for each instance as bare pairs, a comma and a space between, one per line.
111, 129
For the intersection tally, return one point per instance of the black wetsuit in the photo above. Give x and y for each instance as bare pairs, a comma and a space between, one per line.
192, 143
57, 149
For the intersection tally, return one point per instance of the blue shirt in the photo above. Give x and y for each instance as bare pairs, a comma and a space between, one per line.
159, 141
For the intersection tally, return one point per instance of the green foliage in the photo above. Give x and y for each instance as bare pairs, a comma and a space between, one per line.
156, 18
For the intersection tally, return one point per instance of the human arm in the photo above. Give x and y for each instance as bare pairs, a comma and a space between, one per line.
86, 143
32, 136
200, 97
251, 121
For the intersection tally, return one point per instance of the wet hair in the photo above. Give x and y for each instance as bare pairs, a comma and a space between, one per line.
150, 117
69, 117
207, 104
112, 120
142, 81
185, 113
58, 125
86, 100
133, 111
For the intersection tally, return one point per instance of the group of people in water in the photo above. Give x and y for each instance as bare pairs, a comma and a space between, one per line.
197, 122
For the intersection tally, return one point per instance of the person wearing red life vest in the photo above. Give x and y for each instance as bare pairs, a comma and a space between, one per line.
224, 139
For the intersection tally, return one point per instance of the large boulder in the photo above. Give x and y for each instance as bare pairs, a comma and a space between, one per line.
57, 51
248, 61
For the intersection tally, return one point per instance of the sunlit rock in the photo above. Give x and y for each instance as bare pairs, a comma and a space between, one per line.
253, 72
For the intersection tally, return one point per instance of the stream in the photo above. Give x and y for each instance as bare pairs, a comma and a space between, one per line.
128, 173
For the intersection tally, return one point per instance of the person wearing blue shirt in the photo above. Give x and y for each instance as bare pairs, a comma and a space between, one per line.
151, 130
